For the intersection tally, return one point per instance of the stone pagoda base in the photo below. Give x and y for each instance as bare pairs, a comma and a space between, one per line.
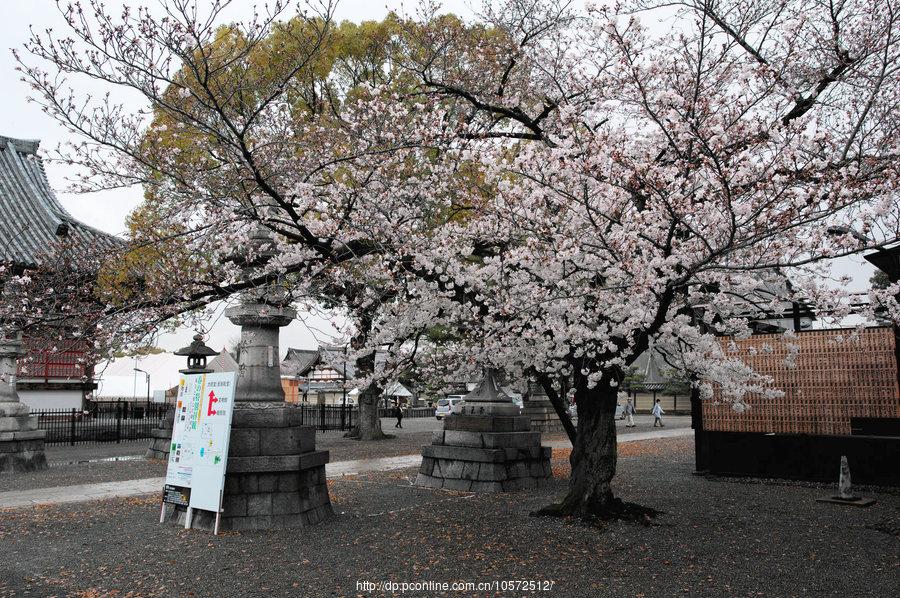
539, 410
275, 477
21, 450
161, 437
485, 453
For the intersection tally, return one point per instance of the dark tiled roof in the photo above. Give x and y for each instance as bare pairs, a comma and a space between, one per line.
31, 218
298, 362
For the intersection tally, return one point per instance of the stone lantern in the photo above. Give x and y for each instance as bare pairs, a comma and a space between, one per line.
275, 477
196, 354
161, 436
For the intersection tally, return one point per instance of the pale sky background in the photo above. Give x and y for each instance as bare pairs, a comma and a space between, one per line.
108, 210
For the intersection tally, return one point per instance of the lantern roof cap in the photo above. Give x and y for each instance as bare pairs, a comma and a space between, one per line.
197, 348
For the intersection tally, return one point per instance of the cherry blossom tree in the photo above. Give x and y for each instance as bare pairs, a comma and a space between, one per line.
559, 188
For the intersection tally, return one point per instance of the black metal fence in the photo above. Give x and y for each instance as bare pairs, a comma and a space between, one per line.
121, 421
408, 412
328, 417
108, 421
338, 417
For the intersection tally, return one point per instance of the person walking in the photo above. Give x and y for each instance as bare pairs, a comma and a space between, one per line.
657, 415
398, 412
629, 414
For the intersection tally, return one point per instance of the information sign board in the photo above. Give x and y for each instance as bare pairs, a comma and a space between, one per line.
199, 451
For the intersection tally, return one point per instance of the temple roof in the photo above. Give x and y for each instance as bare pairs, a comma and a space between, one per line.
298, 362
31, 218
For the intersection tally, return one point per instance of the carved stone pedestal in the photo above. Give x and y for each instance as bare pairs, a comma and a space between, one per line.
21, 443
486, 447
275, 477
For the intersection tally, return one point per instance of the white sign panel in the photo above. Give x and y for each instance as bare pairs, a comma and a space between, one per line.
199, 450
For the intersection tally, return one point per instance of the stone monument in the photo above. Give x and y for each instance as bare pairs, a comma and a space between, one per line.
21, 443
540, 411
275, 477
487, 446
845, 494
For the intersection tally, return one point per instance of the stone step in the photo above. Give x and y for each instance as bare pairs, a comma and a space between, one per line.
483, 455
490, 423
487, 439
268, 463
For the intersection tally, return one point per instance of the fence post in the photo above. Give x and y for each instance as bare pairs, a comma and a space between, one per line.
322, 416
72, 429
118, 421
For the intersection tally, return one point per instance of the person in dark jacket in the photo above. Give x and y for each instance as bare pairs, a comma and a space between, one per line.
398, 413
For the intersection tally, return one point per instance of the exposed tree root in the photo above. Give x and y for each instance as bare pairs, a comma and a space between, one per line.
614, 509
354, 434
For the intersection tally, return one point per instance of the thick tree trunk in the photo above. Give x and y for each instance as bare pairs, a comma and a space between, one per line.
593, 460
368, 425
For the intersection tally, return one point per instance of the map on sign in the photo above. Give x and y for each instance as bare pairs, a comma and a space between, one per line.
199, 450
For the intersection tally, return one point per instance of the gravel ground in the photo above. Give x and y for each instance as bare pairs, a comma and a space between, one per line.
716, 538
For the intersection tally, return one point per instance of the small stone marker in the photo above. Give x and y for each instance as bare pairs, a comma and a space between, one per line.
845, 494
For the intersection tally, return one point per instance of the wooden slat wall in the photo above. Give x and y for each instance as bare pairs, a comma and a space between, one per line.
840, 374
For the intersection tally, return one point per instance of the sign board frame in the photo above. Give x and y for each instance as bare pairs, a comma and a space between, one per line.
198, 453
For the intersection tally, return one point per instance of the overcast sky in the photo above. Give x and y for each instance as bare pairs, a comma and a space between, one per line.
108, 210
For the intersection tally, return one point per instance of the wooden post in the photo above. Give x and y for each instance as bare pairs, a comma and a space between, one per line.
72, 429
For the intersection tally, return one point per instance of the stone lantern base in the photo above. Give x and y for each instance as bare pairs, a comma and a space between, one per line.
485, 453
275, 477
161, 437
542, 415
21, 443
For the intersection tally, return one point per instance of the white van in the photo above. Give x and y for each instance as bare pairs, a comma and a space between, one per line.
447, 406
